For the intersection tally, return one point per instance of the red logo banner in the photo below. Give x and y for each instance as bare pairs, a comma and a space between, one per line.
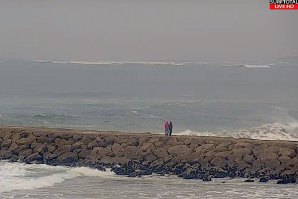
283, 5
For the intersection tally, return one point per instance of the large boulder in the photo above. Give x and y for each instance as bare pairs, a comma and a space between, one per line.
204, 148
264, 179
287, 152
68, 159
14, 148
267, 156
249, 159
27, 140
34, 158
6, 143
181, 150
114, 160
5, 154
79, 145
131, 152
118, 150
83, 153
287, 179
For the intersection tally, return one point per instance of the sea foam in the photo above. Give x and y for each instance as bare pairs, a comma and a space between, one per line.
19, 176
275, 131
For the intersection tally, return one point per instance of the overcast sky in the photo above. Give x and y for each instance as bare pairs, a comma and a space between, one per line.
146, 30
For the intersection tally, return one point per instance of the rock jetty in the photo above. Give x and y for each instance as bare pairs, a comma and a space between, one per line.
134, 155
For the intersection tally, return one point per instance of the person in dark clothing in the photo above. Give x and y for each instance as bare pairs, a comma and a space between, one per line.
170, 128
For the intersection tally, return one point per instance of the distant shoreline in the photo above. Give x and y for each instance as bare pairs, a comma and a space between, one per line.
137, 154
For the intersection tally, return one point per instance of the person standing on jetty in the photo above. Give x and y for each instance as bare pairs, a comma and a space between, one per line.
170, 128
167, 128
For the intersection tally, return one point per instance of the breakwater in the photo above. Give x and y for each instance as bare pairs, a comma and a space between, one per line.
130, 154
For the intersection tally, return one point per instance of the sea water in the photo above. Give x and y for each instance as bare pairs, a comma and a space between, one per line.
252, 100
19, 180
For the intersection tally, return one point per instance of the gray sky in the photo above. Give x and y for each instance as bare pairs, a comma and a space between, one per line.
146, 30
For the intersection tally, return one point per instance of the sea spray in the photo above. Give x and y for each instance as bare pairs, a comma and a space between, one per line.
275, 131
19, 176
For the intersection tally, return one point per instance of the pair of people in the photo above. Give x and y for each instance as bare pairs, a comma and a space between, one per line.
168, 128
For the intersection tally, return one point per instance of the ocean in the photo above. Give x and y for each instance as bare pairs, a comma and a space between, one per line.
251, 100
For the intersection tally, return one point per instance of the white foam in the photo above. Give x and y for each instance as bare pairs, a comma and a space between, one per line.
18, 176
59, 62
250, 66
274, 131
256, 66
135, 112
117, 62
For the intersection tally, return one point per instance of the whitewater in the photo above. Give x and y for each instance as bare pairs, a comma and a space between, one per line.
274, 131
41, 181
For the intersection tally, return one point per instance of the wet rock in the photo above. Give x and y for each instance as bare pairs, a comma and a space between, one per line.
218, 174
34, 158
137, 173
47, 157
14, 148
264, 179
68, 159
123, 170
25, 153
83, 153
114, 160
206, 179
190, 173
287, 180
14, 158
5, 154
249, 180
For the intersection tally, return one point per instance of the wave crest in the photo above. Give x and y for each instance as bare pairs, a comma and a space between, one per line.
274, 131
19, 176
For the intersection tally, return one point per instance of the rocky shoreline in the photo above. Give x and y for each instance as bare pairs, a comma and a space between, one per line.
130, 154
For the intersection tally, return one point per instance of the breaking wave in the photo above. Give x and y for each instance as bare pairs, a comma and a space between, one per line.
274, 131
253, 66
256, 66
116, 62
172, 63
19, 176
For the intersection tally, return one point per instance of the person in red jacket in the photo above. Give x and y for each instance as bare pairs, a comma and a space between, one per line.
166, 128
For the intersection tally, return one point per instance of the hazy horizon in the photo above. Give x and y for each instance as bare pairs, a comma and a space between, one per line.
130, 30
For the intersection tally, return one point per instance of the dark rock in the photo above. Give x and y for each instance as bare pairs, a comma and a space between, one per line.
14, 158
123, 170
287, 180
218, 173
206, 178
190, 173
249, 180
264, 179
147, 172
68, 159
34, 158
49, 156
136, 173
24, 154
83, 153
